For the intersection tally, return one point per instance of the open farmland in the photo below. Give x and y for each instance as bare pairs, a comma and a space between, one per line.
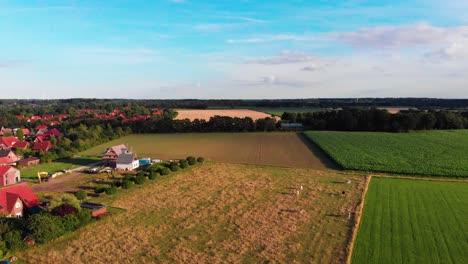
219, 213
207, 114
277, 149
439, 153
279, 111
413, 221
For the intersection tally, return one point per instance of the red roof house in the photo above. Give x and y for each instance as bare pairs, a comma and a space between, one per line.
8, 157
55, 132
21, 145
9, 175
41, 138
15, 198
44, 146
8, 142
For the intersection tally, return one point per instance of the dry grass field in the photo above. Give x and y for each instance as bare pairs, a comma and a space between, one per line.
276, 149
207, 114
217, 213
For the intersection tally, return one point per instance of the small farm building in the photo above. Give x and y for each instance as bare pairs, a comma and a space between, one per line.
96, 209
29, 161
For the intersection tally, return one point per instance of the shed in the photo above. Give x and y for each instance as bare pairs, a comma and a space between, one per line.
96, 209
29, 161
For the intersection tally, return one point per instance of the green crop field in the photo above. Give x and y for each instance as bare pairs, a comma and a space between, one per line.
438, 153
413, 221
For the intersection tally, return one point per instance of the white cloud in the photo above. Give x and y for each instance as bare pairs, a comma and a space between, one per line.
403, 36
285, 57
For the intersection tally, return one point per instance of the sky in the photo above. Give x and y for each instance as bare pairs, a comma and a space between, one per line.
236, 49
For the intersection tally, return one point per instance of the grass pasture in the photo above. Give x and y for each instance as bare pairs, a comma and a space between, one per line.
277, 149
413, 221
437, 153
218, 213
58, 165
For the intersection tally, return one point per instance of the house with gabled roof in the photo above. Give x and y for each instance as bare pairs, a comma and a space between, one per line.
127, 161
8, 157
8, 142
9, 175
43, 145
15, 199
113, 153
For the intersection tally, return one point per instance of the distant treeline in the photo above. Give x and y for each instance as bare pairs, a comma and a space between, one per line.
68, 105
373, 119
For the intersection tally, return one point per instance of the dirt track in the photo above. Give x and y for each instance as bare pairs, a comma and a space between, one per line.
207, 114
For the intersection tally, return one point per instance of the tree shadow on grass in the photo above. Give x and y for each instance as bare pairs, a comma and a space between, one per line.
81, 161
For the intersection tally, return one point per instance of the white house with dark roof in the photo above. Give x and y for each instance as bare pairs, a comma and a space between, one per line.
127, 161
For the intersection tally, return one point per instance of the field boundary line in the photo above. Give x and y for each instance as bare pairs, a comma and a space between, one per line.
357, 220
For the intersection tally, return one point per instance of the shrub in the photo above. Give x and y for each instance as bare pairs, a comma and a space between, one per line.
65, 209
191, 160
111, 190
128, 178
165, 171
13, 240
45, 227
58, 199
84, 217
81, 195
128, 184
100, 189
153, 176
184, 164
174, 166
200, 159
70, 222
140, 179
141, 173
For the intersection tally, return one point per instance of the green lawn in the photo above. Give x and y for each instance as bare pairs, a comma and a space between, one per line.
31, 171
438, 153
412, 221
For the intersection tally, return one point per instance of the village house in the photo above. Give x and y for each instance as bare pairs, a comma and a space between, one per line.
21, 145
8, 157
29, 161
15, 199
9, 175
127, 161
113, 153
8, 142
42, 146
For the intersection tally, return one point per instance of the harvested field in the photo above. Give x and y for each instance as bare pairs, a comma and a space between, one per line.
413, 221
218, 213
207, 114
276, 149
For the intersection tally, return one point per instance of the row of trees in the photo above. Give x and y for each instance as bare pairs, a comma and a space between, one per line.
373, 119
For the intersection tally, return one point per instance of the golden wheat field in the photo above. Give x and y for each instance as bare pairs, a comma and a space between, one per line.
215, 213
207, 114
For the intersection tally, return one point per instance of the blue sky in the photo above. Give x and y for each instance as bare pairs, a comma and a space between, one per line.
233, 49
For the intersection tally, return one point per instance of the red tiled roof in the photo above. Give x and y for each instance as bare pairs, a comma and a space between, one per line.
5, 169
41, 127
54, 132
22, 144
44, 146
8, 141
26, 131
9, 195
